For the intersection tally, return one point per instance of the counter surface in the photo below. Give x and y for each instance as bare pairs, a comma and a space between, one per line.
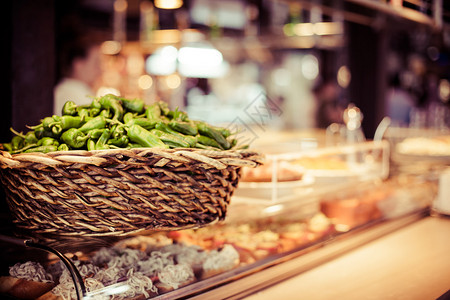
410, 263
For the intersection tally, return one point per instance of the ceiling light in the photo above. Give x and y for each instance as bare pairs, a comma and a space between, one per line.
168, 4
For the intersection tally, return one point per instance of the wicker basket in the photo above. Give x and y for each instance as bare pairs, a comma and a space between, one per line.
122, 191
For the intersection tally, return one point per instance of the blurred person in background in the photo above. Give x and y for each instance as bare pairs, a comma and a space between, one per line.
329, 110
80, 64
399, 102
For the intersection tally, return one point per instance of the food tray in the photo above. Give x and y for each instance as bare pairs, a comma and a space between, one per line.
305, 174
121, 191
418, 151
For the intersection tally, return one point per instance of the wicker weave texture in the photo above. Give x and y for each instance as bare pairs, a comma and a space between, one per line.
119, 192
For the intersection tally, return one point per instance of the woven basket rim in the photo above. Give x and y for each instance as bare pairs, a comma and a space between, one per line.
219, 159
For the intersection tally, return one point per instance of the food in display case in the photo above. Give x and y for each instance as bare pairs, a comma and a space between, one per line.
294, 175
259, 239
322, 163
425, 146
147, 266
285, 171
354, 210
136, 273
387, 199
191, 260
27, 280
418, 150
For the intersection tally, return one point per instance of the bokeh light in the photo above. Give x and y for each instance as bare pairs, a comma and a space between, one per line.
145, 82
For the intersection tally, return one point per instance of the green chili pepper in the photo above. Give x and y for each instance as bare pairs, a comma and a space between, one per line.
83, 112
243, 147
119, 142
201, 146
23, 149
95, 108
41, 132
207, 141
134, 145
114, 122
112, 102
95, 123
74, 138
153, 112
45, 123
96, 103
63, 147
105, 113
102, 142
90, 144
44, 149
139, 135
164, 107
28, 138
94, 112
95, 133
118, 130
128, 117
6, 147
135, 105
172, 140
17, 142
233, 143
47, 141
206, 130
224, 131
143, 122
184, 127
177, 115
192, 141
69, 109
66, 122
163, 127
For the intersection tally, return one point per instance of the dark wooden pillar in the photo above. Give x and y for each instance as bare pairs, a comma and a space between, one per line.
5, 66
32, 61
367, 59
27, 63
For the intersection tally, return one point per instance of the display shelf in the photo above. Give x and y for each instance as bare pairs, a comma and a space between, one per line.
365, 11
272, 270
402, 12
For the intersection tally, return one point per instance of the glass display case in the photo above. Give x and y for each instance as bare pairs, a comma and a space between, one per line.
418, 150
302, 208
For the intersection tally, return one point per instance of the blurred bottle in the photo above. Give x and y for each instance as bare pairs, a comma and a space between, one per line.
437, 116
147, 21
418, 118
120, 21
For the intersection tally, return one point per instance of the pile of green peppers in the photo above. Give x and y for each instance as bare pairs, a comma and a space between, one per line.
111, 122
